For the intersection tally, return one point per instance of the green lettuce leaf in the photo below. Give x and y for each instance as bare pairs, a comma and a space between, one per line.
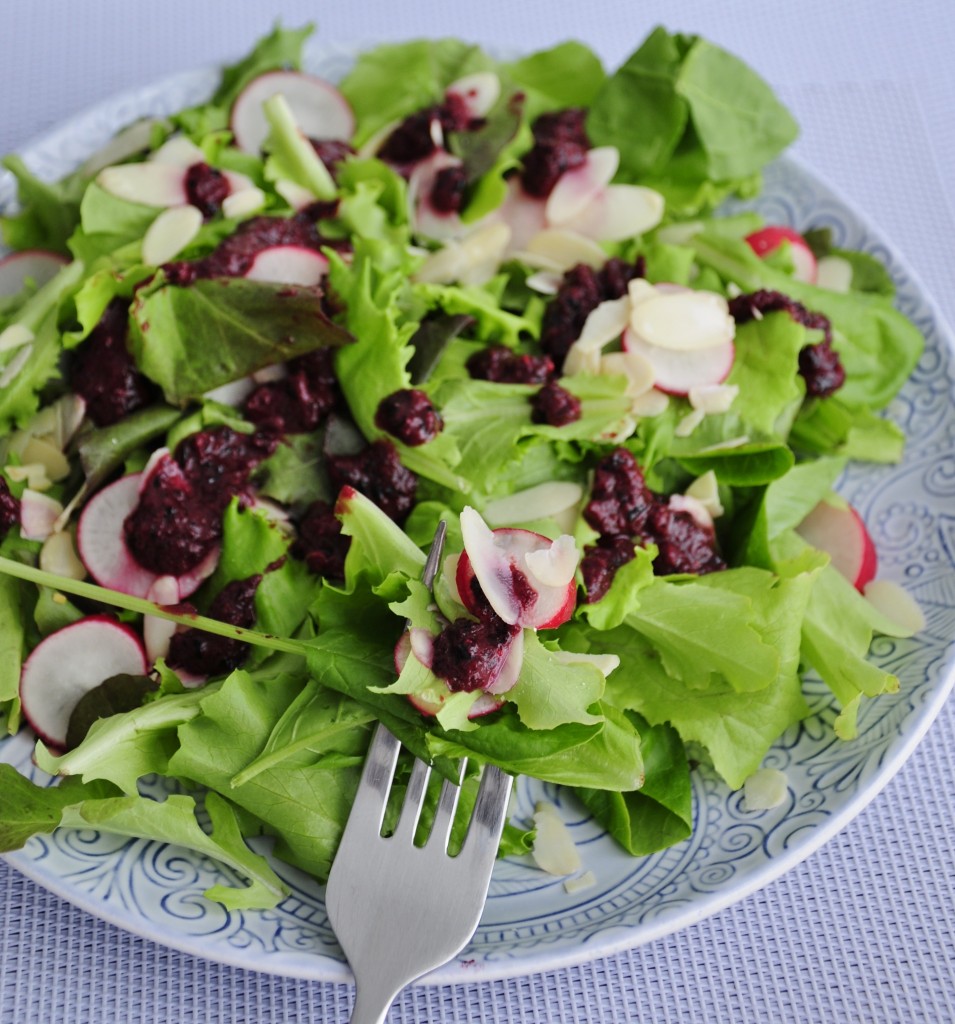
48, 213
661, 812
191, 340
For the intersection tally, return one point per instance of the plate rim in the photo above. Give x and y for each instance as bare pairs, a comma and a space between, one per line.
317, 966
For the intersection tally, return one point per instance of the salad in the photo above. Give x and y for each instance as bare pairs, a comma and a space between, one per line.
254, 352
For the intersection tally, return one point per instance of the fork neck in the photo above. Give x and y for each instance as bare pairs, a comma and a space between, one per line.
372, 1003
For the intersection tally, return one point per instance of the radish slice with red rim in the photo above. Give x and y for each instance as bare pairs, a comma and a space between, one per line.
677, 371
68, 664
36, 265
103, 550
768, 239
320, 110
288, 264
841, 533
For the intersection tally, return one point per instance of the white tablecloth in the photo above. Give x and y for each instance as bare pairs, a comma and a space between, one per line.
862, 931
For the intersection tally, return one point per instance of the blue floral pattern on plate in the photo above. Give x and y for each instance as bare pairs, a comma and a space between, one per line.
531, 923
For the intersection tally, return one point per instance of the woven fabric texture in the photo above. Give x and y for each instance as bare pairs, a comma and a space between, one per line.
863, 930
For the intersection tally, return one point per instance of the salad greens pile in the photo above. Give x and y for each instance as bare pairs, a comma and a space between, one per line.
711, 662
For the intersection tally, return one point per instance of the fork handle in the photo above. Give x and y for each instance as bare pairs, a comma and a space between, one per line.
372, 1003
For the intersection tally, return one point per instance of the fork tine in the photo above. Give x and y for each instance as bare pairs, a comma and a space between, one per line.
372, 796
487, 820
444, 815
414, 799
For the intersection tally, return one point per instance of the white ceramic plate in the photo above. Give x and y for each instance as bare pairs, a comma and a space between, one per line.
531, 923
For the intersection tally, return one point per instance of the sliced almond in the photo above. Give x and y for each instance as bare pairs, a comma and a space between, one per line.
604, 324
765, 789
243, 202
554, 850
707, 492
683, 321
619, 212
538, 502
58, 555
896, 604
150, 184
565, 249
41, 452
651, 403
679, 233
32, 472
126, 143
170, 233
728, 445
484, 249
15, 336
834, 273
547, 282
554, 566
689, 423
581, 360
178, 151
713, 398
633, 366
694, 507
606, 663
575, 885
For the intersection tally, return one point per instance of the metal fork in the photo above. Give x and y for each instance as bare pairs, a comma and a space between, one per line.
399, 910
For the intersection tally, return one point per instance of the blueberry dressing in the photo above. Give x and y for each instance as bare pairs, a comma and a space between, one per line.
234, 255
555, 406
581, 290
622, 508
207, 654
178, 519
377, 472
206, 188
560, 144
819, 364
102, 372
502, 366
320, 542
409, 416
468, 655
301, 400
9, 508
331, 152
413, 139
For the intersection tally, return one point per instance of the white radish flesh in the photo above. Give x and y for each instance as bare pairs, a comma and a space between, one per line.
38, 515
841, 533
320, 110
477, 92
36, 265
288, 264
676, 372
103, 549
580, 185
68, 664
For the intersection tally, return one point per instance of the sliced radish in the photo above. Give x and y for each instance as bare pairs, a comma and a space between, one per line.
524, 214
767, 240
680, 318
675, 372
576, 188
288, 264
68, 664
496, 559
102, 546
477, 93
841, 533
38, 515
36, 265
426, 220
511, 667
484, 705
320, 109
